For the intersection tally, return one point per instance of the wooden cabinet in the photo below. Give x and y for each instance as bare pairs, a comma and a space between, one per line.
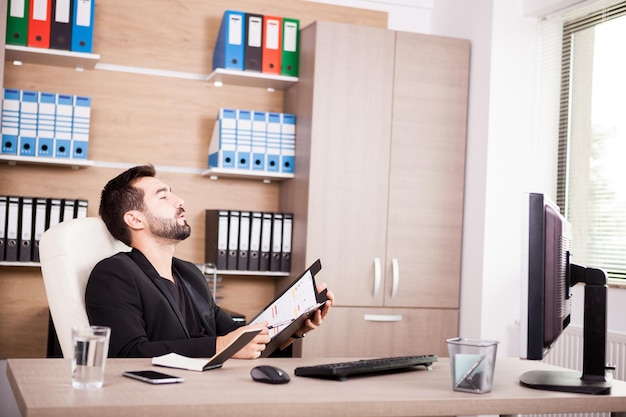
378, 190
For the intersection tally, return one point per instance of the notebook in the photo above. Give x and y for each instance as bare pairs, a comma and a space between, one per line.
174, 360
288, 312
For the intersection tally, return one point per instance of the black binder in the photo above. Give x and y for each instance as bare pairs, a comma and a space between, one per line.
3, 225
253, 51
256, 219
244, 241
285, 256
61, 24
277, 241
266, 242
25, 233
54, 214
216, 238
12, 229
233, 240
68, 209
40, 207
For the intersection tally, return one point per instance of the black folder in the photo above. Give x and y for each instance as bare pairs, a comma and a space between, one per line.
285, 256
288, 312
12, 229
244, 241
3, 225
233, 240
40, 207
54, 214
61, 24
277, 242
216, 238
253, 51
25, 231
256, 219
266, 242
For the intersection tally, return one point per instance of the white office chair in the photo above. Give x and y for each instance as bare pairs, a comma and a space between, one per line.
68, 252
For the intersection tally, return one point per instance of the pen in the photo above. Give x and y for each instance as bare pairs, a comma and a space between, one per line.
282, 323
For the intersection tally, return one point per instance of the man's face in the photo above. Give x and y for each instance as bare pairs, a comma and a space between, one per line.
164, 210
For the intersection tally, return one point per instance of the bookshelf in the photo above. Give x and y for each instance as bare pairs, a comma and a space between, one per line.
36, 160
222, 76
148, 117
43, 56
267, 177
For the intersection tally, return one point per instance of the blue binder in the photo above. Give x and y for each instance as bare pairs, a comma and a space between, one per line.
244, 139
45, 125
10, 120
80, 127
28, 123
229, 48
224, 141
288, 143
272, 163
259, 133
63, 126
82, 25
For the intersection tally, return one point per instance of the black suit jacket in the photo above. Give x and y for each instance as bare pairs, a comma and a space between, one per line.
127, 294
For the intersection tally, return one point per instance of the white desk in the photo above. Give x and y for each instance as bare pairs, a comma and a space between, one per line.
42, 388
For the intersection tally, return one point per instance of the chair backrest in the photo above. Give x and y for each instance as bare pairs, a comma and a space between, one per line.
68, 252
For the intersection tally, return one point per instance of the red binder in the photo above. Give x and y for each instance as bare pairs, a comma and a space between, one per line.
39, 18
272, 44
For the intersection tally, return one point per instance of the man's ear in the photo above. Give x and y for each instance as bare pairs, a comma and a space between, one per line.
134, 219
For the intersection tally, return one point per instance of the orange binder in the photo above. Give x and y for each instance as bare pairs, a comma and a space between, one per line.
39, 18
272, 44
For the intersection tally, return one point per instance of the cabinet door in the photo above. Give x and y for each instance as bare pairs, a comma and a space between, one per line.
348, 78
357, 332
427, 171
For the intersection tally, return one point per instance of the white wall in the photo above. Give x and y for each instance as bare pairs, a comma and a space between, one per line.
505, 155
500, 160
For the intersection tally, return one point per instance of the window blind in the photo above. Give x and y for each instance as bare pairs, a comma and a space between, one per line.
591, 188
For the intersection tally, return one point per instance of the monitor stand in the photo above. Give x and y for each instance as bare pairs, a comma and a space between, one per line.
564, 381
593, 379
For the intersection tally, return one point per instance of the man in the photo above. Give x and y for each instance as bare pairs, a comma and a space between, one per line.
153, 302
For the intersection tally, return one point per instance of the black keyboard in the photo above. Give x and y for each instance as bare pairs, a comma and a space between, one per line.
341, 370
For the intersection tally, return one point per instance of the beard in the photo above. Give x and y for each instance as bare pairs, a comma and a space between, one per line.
168, 228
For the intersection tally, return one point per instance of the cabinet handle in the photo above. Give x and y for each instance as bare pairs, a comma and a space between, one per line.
377, 277
382, 317
395, 273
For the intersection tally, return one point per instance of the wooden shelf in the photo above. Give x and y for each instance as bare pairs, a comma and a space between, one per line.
56, 57
252, 273
22, 264
67, 162
215, 173
251, 79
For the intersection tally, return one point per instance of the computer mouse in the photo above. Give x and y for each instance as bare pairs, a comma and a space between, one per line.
269, 374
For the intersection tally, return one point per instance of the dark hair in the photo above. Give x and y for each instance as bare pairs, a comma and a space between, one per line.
120, 196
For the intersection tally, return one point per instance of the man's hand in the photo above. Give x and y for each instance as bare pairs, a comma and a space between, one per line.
254, 348
317, 317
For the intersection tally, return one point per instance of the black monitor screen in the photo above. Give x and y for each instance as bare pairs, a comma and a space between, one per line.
547, 275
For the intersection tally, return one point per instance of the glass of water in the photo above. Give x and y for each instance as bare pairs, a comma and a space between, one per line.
91, 347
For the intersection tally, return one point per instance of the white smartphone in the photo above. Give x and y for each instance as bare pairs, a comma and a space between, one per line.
153, 377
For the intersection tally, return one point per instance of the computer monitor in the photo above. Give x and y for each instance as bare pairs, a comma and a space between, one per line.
547, 276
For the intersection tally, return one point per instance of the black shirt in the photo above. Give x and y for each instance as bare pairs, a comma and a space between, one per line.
186, 307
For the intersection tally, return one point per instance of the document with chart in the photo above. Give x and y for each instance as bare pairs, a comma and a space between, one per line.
288, 312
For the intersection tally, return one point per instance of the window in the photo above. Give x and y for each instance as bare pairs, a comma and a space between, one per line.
591, 177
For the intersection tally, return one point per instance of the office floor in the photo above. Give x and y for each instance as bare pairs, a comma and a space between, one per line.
8, 406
